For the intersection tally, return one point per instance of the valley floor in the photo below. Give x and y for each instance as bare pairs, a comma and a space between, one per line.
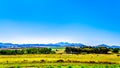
60, 60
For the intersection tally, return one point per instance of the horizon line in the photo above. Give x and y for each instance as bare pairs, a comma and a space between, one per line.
58, 43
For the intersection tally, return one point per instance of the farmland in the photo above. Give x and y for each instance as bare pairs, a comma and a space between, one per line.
60, 60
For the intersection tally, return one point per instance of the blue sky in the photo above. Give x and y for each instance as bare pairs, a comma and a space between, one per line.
89, 22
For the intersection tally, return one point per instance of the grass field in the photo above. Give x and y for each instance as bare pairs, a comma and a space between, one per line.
58, 65
61, 60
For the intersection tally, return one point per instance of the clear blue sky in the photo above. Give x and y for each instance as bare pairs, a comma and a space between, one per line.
89, 22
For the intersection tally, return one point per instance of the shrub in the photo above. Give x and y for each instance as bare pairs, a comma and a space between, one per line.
60, 60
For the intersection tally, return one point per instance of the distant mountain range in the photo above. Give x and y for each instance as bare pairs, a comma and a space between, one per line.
57, 45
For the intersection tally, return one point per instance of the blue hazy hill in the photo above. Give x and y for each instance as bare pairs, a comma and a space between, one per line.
56, 45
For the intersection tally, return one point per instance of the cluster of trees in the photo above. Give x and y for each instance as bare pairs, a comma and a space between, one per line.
115, 50
88, 50
27, 51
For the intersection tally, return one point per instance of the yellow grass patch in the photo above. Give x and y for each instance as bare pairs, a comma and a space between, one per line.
92, 58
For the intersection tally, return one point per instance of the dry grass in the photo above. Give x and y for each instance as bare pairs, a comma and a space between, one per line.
69, 58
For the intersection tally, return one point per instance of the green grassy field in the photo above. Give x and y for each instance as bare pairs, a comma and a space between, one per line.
58, 65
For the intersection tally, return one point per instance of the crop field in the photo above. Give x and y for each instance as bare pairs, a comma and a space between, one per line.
60, 61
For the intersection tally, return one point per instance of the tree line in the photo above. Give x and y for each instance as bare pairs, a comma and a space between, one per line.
89, 49
68, 50
27, 51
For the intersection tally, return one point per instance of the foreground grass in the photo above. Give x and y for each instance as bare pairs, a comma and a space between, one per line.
58, 65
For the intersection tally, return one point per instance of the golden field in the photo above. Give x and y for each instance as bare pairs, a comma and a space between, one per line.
60, 60
76, 58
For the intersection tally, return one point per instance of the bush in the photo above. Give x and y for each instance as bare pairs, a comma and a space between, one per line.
60, 60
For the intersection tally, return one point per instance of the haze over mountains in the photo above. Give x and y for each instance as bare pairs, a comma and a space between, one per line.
56, 45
